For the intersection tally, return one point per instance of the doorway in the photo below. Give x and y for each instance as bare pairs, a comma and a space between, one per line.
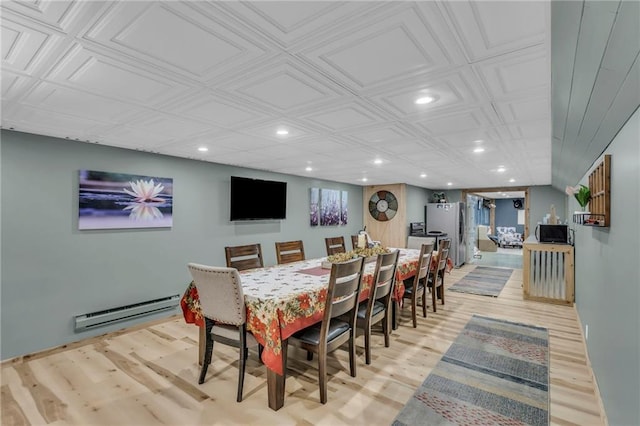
481, 211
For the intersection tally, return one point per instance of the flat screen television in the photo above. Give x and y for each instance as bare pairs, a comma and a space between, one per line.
256, 199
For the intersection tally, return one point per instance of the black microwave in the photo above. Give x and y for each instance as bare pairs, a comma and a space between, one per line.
552, 234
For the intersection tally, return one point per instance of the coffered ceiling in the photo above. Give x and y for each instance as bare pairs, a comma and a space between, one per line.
341, 78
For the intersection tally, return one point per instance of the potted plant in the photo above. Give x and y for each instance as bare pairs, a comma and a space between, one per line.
581, 193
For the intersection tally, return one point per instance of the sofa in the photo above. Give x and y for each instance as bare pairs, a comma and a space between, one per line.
508, 237
485, 243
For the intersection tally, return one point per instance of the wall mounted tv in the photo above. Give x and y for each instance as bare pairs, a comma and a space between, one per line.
255, 199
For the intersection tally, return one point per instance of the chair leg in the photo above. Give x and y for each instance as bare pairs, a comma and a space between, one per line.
367, 343
442, 288
243, 359
434, 290
424, 302
352, 352
309, 355
386, 328
414, 307
208, 350
322, 376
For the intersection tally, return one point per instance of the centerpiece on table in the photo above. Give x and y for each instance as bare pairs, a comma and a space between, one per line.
368, 253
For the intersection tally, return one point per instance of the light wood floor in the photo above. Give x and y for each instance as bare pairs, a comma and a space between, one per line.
148, 375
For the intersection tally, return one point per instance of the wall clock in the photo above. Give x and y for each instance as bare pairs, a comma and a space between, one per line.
383, 205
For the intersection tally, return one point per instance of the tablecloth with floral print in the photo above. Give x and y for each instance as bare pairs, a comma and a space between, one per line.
283, 299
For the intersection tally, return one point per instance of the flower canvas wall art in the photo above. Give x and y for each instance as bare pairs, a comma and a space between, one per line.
119, 200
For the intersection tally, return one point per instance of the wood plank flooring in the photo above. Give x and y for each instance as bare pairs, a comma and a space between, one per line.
148, 375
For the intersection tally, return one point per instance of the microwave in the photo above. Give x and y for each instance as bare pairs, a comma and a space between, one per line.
552, 233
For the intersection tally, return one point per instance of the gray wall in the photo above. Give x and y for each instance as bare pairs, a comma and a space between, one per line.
607, 279
540, 200
507, 215
51, 271
417, 198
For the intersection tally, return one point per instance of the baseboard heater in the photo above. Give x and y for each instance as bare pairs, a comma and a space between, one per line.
122, 313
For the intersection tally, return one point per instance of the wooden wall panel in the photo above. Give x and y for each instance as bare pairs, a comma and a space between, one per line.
392, 233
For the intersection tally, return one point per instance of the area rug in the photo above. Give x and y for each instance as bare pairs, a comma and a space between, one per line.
496, 372
483, 280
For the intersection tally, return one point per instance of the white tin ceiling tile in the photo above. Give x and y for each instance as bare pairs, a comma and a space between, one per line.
453, 90
522, 72
531, 129
283, 85
343, 117
23, 47
79, 103
490, 28
11, 84
195, 45
84, 69
381, 133
288, 23
385, 47
218, 109
472, 139
42, 121
458, 121
170, 126
528, 109
56, 14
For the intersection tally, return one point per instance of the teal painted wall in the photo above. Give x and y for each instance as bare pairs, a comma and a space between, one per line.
607, 276
51, 271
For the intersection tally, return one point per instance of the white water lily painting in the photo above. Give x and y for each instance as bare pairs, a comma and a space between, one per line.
119, 200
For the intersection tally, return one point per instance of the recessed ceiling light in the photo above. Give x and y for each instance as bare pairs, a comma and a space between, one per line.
512, 180
449, 183
501, 169
478, 141
308, 168
423, 175
504, 194
423, 100
478, 150
377, 161
282, 132
364, 179
203, 149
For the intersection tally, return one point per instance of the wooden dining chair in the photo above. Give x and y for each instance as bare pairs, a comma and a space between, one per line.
377, 308
244, 257
335, 245
354, 242
416, 287
223, 308
436, 279
332, 332
289, 251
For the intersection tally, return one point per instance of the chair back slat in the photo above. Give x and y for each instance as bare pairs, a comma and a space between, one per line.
354, 242
220, 293
335, 245
289, 251
424, 263
384, 275
244, 257
343, 292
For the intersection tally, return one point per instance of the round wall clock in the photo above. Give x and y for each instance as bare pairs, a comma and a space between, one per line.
383, 205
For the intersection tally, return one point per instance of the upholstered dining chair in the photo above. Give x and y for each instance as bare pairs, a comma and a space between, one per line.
436, 280
244, 257
377, 308
332, 332
335, 245
289, 251
416, 287
223, 308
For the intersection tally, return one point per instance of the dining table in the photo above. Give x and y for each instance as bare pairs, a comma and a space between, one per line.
283, 299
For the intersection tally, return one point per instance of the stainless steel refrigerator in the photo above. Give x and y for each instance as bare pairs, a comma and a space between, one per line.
449, 218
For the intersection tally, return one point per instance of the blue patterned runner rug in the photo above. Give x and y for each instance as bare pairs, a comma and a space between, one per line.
496, 372
483, 280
